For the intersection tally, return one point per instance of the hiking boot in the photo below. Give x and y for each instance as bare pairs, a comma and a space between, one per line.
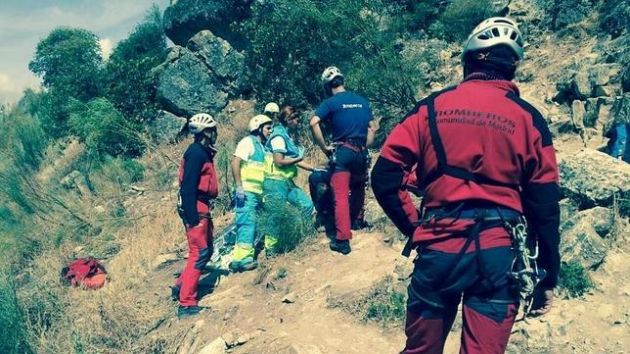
360, 224
188, 311
175, 293
341, 246
243, 265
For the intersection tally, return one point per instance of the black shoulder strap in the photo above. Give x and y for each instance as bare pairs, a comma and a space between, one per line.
443, 168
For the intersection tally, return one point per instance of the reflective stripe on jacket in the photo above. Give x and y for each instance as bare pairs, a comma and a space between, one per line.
273, 170
253, 170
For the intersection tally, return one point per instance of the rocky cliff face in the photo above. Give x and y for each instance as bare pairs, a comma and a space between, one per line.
185, 18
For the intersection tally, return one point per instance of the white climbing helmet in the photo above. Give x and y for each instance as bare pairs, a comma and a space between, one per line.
258, 121
330, 73
495, 31
201, 121
272, 107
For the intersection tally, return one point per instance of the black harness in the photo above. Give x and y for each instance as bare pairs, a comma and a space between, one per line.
443, 168
484, 215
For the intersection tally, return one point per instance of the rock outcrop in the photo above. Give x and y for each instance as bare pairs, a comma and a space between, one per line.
584, 236
588, 81
202, 76
592, 178
185, 18
166, 127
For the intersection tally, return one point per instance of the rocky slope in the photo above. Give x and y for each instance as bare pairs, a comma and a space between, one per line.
574, 73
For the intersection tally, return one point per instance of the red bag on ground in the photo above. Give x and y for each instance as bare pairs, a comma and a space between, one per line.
87, 272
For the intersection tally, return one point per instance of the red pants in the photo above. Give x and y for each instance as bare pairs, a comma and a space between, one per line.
348, 178
199, 253
347, 208
436, 290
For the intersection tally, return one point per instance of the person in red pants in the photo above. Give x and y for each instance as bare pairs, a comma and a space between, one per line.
485, 163
198, 187
351, 120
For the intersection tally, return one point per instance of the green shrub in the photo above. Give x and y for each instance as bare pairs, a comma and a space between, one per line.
575, 279
13, 334
103, 129
285, 222
390, 306
460, 17
614, 16
222, 161
385, 302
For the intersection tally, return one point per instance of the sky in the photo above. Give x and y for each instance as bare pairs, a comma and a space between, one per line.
23, 23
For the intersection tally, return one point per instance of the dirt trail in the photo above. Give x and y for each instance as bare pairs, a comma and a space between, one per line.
253, 302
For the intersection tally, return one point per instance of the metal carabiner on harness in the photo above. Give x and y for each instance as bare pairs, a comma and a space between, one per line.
524, 270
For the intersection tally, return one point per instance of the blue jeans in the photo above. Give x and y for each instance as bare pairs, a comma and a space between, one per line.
246, 219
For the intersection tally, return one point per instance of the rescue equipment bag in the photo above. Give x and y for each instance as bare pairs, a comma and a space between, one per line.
85, 272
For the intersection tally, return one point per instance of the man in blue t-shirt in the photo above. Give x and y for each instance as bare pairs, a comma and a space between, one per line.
350, 118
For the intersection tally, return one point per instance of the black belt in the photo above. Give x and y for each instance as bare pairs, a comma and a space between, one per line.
488, 214
485, 216
204, 199
356, 142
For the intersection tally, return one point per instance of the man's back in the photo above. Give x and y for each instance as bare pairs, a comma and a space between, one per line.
487, 130
349, 113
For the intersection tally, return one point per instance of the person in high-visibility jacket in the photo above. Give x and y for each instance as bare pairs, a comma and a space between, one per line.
279, 186
248, 168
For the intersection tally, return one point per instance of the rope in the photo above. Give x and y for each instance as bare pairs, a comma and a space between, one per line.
524, 269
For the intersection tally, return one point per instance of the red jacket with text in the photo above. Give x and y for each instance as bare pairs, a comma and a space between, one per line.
496, 148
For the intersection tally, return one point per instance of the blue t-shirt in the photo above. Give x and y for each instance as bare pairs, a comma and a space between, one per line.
349, 113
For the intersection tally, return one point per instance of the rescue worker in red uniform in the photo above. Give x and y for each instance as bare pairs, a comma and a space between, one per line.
198, 187
485, 157
350, 117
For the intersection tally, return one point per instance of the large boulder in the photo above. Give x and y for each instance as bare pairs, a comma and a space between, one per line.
187, 86
185, 18
583, 236
201, 76
592, 178
225, 62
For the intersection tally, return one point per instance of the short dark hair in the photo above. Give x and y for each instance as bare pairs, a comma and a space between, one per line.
336, 82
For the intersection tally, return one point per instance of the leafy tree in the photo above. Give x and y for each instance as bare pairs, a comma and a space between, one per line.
130, 82
69, 61
291, 42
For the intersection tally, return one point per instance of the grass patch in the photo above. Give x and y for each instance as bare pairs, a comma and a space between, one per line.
385, 303
13, 334
574, 279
